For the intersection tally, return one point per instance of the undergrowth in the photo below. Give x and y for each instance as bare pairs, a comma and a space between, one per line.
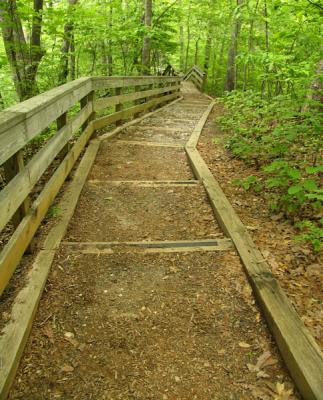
285, 144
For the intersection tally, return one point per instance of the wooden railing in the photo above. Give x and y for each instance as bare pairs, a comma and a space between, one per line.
196, 75
72, 109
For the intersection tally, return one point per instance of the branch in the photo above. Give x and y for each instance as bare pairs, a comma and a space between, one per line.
164, 12
316, 4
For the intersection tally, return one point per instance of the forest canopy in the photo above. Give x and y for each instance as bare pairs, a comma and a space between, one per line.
269, 46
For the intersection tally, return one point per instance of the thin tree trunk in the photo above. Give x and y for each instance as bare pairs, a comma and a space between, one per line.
196, 51
207, 53
230, 83
181, 40
246, 68
188, 35
266, 80
110, 59
24, 59
147, 39
72, 58
66, 45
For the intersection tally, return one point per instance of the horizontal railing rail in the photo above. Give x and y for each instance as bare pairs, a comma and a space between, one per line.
195, 75
69, 114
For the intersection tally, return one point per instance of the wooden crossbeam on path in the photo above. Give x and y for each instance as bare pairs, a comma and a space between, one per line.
145, 183
166, 246
146, 143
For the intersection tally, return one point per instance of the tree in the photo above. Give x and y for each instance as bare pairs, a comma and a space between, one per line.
24, 58
68, 47
230, 83
147, 40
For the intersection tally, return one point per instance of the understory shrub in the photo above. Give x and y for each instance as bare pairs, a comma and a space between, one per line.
285, 144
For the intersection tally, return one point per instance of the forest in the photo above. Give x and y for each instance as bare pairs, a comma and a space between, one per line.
261, 58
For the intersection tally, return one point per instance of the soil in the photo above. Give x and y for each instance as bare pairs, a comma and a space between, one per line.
121, 161
297, 268
131, 325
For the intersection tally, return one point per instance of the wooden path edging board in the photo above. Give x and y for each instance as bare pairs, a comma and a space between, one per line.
16, 332
298, 348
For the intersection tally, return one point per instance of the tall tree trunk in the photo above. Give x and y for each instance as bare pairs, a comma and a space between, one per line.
72, 58
147, 39
315, 90
207, 53
23, 58
181, 40
230, 83
196, 55
66, 45
266, 80
110, 59
188, 35
246, 68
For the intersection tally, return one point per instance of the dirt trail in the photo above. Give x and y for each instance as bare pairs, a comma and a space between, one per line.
131, 322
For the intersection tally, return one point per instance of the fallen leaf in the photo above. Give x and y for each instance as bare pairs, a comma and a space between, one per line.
282, 393
244, 345
69, 335
67, 368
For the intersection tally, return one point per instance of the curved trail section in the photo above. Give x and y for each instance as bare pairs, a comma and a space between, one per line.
147, 298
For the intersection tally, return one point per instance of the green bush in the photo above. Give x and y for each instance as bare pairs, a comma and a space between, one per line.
284, 143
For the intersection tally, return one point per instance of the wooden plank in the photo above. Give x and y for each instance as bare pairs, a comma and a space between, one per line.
15, 248
128, 81
109, 119
114, 100
194, 138
298, 348
38, 112
150, 144
16, 191
160, 128
15, 334
118, 106
137, 120
145, 183
166, 246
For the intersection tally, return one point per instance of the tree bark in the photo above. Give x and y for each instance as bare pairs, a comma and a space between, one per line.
24, 58
147, 39
230, 83
188, 35
207, 53
66, 45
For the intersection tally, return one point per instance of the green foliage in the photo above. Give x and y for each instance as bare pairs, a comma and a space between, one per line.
251, 182
284, 143
54, 211
311, 232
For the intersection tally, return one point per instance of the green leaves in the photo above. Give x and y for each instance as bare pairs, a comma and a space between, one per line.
283, 143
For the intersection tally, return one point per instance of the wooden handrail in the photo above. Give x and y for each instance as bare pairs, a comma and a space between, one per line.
196, 75
23, 122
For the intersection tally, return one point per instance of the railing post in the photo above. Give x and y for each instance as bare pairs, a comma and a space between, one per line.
136, 102
60, 123
119, 106
12, 167
89, 98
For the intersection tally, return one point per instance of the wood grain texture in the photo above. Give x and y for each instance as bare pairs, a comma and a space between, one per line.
298, 348
16, 191
37, 113
109, 119
15, 248
16, 331
114, 100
